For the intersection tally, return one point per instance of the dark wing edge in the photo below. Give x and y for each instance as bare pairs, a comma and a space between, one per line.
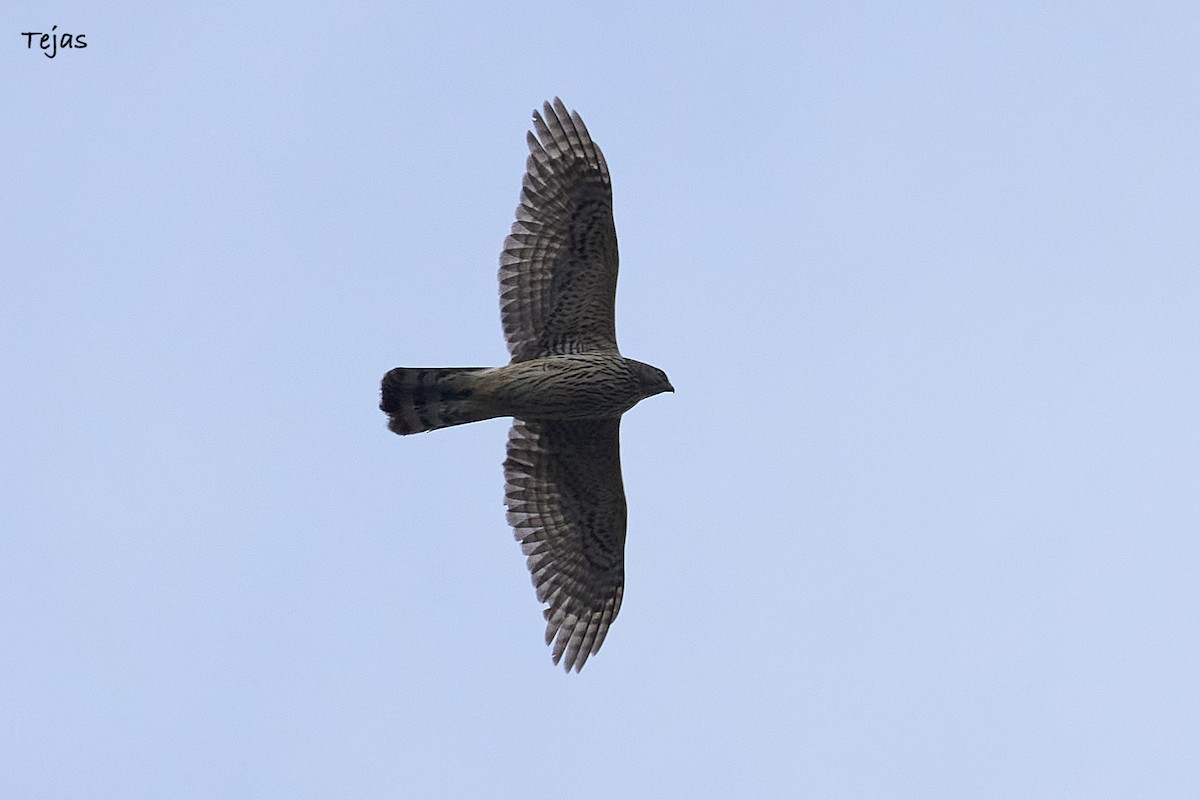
558, 268
566, 504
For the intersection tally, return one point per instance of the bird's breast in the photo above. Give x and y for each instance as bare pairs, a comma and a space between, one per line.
581, 386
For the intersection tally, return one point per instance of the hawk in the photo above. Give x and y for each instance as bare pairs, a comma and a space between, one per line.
566, 386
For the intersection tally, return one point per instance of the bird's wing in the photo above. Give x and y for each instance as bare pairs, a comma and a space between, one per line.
558, 271
566, 504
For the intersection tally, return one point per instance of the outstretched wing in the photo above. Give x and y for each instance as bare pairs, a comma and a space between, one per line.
558, 271
566, 504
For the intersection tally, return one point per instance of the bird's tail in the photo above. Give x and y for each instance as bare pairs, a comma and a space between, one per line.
418, 399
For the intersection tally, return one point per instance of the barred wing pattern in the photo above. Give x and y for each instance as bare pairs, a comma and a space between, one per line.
558, 270
566, 504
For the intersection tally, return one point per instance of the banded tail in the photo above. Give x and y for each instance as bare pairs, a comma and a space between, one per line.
418, 399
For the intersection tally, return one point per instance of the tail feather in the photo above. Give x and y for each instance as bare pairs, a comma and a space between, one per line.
417, 399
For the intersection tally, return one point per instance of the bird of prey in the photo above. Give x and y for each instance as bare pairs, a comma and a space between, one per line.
566, 386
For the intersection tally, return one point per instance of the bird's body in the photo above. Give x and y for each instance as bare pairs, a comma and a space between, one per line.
578, 386
566, 386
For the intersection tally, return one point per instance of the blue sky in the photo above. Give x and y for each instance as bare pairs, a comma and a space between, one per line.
920, 521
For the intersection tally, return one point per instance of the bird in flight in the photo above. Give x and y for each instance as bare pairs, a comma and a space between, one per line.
566, 386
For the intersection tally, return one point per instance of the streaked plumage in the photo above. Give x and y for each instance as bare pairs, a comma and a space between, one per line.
566, 386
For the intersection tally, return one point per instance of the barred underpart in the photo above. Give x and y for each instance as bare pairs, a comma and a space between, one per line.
417, 399
566, 504
558, 270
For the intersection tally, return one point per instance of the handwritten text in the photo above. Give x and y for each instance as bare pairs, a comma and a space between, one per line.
50, 42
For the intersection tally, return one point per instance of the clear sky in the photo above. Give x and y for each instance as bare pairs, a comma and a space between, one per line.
922, 519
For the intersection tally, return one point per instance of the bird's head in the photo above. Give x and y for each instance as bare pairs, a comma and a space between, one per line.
654, 380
